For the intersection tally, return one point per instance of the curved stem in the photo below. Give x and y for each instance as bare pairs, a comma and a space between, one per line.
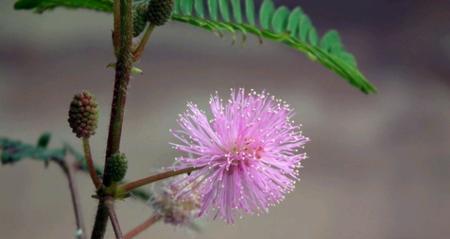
143, 226
68, 171
147, 180
90, 163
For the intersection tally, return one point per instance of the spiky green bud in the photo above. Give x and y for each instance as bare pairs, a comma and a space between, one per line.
117, 167
159, 11
83, 115
139, 18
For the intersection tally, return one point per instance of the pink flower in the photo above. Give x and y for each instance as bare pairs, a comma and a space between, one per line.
247, 154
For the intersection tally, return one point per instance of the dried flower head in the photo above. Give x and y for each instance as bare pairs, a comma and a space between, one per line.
175, 210
248, 154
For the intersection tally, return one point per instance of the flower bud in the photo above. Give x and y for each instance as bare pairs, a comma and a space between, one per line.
139, 18
159, 11
83, 115
117, 167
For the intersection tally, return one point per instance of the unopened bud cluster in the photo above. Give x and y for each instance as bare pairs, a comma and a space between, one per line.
156, 12
83, 115
117, 167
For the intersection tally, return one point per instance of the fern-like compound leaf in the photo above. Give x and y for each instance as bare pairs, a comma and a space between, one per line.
291, 27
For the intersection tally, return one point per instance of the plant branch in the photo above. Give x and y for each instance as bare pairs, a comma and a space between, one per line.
116, 31
142, 227
137, 53
68, 171
123, 26
147, 180
114, 221
122, 78
90, 163
101, 220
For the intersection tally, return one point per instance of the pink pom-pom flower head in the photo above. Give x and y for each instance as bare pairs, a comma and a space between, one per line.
247, 155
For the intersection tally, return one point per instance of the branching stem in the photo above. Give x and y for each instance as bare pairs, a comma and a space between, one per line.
114, 220
68, 171
142, 227
137, 53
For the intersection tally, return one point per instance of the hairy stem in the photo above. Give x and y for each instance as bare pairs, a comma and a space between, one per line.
90, 163
142, 227
122, 78
123, 27
147, 180
68, 171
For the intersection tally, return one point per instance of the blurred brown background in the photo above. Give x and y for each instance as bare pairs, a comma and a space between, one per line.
379, 166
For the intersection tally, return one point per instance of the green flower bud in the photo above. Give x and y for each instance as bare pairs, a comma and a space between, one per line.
117, 167
159, 11
83, 115
139, 18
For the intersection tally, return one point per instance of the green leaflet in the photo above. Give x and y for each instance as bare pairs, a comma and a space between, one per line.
266, 13
304, 27
213, 10
294, 21
224, 10
237, 11
199, 8
279, 19
293, 28
186, 7
250, 11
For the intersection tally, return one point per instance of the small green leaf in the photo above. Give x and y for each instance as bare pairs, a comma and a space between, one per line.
186, 7
313, 37
331, 41
293, 21
265, 13
44, 140
237, 12
176, 7
250, 11
347, 57
199, 8
279, 19
213, 10
224, 10
304, 27
136, 71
